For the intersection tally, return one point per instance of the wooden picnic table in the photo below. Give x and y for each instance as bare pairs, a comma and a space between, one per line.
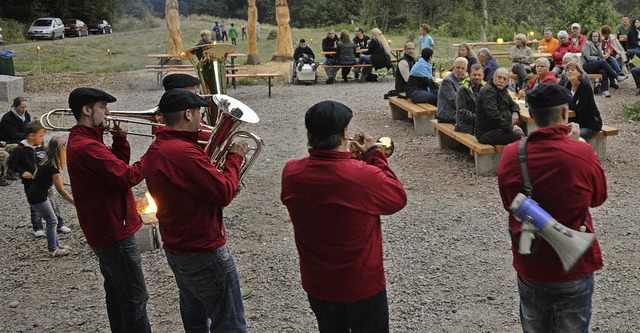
507, 55
488, 44
163, 61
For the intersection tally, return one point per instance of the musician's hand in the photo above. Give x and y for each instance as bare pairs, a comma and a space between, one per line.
574, 131
26, 175
368, 140
517, 128
118, 129
241, 148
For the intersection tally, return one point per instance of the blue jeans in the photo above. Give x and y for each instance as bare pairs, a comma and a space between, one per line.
36, 219
209, 291
370, 315
614, 64
586, 133
365, 59
425, 96
126, 291
328, 70
556, 308
45, 209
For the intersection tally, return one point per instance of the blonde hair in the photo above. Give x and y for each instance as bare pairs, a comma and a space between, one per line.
377, 34
577, 66
205, 33
54, 153
522, 38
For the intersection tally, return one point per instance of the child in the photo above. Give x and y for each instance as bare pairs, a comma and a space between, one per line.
233, 34
425, 40
48, 174
304, 55
24, 160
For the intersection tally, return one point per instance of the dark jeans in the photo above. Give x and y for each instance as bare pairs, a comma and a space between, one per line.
425, 96
499, 137
556, 308
587, 133
346, 70
367, 316
523, 79
126, 291
209, 290
601, 67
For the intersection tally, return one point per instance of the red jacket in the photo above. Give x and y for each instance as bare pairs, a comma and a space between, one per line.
581, 40
335, 205
189, 191
567, 179
560, 51
550, 77
101, 181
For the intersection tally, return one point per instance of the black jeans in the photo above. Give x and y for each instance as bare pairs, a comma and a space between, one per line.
370, 315
126, 291
601, 67
499, 137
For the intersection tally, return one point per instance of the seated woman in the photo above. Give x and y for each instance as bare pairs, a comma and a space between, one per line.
465, 51
593, 63
565, 47
421, 88
583, 103
346, 53
633, 39
521, 60
377, 54
543, 75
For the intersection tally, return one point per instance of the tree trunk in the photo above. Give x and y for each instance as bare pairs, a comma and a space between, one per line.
284, 43
485, 23
252, 58
172, 17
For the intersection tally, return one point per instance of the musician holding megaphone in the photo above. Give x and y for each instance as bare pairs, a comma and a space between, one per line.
548, 182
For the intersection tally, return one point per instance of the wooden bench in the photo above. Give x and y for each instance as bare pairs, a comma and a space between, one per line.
394, 62
486, 157
421, 113
267, 77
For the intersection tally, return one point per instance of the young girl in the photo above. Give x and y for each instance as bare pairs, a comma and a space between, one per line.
47, 174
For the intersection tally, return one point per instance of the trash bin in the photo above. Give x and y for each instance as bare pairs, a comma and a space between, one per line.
6, 63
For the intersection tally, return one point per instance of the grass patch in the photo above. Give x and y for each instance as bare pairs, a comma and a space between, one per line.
632, 111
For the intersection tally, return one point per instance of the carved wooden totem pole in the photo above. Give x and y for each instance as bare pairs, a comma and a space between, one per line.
172, 17
252, 57
284, 44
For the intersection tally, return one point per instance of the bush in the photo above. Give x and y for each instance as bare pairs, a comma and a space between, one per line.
13, 31
130, 23
633, 111
273, 35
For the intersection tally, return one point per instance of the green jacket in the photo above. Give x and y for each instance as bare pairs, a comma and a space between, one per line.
233, 33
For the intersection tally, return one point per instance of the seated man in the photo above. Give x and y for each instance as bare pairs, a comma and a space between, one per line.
466, 98
447, 92
497, 114
303, 54
330, 44
404, 68
577, 38
488, 62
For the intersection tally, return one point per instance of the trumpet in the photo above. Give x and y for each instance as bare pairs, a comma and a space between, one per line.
385, 143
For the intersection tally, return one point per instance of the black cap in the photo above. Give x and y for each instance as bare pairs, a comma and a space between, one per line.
83, 96
547, 95
179, 81
327, 118
176, 100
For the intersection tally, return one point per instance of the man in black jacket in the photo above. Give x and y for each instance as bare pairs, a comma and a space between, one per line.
497, 114
303, 54
404, 68
466, 99
329, 44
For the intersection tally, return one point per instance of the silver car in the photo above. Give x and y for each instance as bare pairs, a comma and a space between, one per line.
46, 28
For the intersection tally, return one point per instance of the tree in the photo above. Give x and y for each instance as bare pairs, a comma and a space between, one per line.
284, 43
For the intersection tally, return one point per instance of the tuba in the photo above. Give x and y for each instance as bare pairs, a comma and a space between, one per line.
231, 113
210, 64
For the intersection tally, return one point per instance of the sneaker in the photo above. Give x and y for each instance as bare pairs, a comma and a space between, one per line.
59, 252
66, 247
622, 78
614, 85
606, 93
38, 233
4, 182
64, 229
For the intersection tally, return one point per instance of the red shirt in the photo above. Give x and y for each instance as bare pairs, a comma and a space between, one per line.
560, 51
567, 179
101, 181
335, 204
189, 191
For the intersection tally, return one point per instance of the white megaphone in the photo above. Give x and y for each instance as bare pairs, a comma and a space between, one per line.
569, 244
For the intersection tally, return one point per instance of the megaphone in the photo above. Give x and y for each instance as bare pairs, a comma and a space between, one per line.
570, 245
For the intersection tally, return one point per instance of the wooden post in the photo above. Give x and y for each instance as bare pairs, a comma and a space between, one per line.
252, 57
284, 43
172, 17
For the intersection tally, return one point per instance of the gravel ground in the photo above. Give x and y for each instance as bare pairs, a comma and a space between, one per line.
447, 255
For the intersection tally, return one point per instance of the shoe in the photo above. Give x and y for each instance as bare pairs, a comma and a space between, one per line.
12, 175
4, 182
356, 75
622, 78
344, 79
64, 229
614, 85
246, 292
372, 78
38, 233
59, 252
315, 65
606, 93
330, 80
66, 247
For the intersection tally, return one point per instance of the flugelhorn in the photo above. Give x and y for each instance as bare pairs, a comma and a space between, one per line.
209, 61
385, 143
232, 113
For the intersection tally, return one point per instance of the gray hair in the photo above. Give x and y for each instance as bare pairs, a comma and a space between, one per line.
570, 57
522, 37
484, 52
205, 32
563, 33
543, 61
462, 60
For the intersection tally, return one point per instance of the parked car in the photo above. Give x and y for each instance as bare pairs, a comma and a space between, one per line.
1, 38
75, 27
46, 27
100, 27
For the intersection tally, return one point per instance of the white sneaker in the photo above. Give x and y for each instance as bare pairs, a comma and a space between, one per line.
606, 93
38, 233
59, 252
64, 229
622, 78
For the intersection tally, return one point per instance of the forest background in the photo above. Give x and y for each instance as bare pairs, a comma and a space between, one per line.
471, 19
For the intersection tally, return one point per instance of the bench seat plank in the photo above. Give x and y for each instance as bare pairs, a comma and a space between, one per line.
421, 113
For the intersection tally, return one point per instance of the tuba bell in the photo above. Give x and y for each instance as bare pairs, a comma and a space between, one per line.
231, 114
210, 64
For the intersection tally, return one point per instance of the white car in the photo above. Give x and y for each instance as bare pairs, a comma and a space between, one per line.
46, 28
